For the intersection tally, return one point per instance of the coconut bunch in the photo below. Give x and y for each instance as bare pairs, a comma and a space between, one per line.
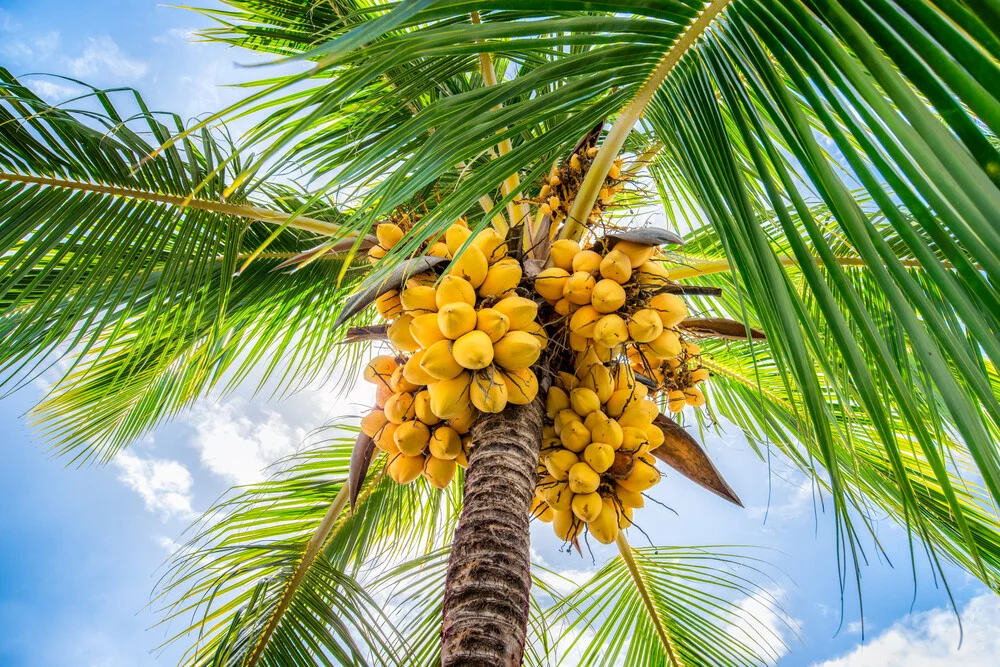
595, 460
402, 425
390, 233
555, 198
613, 298
676, 377
471, 337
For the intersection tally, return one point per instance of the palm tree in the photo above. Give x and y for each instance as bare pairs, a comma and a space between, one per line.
832, 166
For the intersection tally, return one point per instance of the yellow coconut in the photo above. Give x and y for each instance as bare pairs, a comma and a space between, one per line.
493, 323
629, 499
692, 349
474, 350
567, 381
419, 299
598, 378
453, 289
450, 398
610, 331
404, 469
551, 282
385, 439
671, 308
565, 307
556, 400
488, 391
637, 253
616, 266
579, 287
604, 528
584, 401
538, 331
517, 350
438, 250
666, 346
645, 325
422, 408
578, 343
520, 311
593, 419
566, 526
587, 261
699, 375
400, 383
599, 456
389, 306
541, 510
635, 417
633, 439
411, 437
380, 369
619, 401
439, 472
492, 244
653, 275
455, 237
522, 386
373, 422
654, 435
584, 320
439, 361
583, 479
388, 234
558, 496
608, 296
413, 372
563, 251
559, 462
574, 436
457, 319
676, 400
399, 408
471, 265
425, 330
642, 478
445, 443
399, 335
375, 253
501, 278
694, 397
608, 432
587, 506
463, 422
382, 394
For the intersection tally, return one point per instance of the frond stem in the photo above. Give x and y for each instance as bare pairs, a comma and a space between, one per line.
590, 189
625, 549
257, 213
316, 543
704, 267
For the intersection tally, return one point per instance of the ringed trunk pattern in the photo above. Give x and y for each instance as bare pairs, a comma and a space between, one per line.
489, 573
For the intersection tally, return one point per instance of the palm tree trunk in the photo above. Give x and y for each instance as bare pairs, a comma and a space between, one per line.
489, 574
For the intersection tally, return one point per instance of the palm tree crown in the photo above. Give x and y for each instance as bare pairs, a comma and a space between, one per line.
832, 167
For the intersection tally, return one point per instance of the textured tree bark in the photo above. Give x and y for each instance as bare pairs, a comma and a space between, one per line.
489, 573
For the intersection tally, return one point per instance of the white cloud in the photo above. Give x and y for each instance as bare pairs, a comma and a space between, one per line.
7, 22
49, 90
17, 51
41, 49
103, 55
163, 484
238, 448
764, 625
48, 44
931, 639
175, 34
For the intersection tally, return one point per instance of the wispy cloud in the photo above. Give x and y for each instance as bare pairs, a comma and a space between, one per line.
931, 639
163, 484
103, 55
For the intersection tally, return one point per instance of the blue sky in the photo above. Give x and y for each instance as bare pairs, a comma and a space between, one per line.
82, 548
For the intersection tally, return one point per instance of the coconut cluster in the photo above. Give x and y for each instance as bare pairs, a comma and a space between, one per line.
467, 339
676, 377
595, 460
402, 424
555, 198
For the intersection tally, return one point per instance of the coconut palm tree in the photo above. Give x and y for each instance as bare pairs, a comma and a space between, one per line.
831, 167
